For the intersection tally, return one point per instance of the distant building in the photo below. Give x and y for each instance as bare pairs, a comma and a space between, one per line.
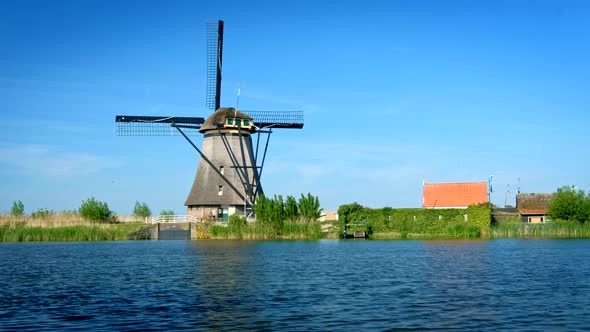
329, 216
533, 208
454, 194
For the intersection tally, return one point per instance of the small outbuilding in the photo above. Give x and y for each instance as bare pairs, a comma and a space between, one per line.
534, 208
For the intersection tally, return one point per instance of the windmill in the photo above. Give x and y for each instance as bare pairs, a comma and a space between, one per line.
227, 180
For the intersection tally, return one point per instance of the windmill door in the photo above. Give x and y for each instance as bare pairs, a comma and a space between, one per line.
224, 213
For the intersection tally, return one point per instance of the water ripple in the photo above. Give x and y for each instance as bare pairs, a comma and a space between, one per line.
299, 285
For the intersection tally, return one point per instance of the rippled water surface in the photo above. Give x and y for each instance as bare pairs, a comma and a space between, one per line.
302, 285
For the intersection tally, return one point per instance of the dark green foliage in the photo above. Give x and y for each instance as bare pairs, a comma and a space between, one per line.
274, 211
167, 213
570, 204
348, 213
95, 210
270, 212
291, 209
141, 210
18, 208
237, 221
309, 207
412, 222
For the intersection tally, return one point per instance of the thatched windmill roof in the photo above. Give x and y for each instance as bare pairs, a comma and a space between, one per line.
218, 118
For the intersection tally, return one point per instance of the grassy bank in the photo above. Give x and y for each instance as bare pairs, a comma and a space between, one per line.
452, 232
255, 231
553, 230
61, 227
503, 230
107, 232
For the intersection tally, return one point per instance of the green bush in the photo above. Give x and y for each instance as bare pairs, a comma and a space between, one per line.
448, 222
570, 204
236, 221
18, 208
141, 210
167, 213
95, 210
349, 213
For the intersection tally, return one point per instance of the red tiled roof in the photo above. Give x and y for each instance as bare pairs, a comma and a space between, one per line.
456, 194
533, 211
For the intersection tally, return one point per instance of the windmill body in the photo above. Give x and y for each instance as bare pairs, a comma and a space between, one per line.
229, 148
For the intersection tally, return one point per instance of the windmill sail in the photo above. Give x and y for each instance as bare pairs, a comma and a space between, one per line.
131, 125
214, 65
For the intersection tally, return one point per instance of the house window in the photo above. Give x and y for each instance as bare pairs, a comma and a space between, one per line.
221, 170
220, 191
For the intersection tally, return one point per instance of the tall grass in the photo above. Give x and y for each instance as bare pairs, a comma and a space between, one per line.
20, 232
554, 230
63, 226
46, 220
263, 231
451, 232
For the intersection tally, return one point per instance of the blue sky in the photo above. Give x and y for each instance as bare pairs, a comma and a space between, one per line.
394, 93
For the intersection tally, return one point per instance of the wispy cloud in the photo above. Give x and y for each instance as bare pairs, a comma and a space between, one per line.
49, 161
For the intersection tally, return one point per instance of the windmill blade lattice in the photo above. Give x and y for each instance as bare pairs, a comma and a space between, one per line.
130, 125
276, 119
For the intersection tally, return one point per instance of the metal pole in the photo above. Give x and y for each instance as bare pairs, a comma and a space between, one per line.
490, 189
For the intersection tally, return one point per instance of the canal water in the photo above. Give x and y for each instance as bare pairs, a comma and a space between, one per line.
296, 285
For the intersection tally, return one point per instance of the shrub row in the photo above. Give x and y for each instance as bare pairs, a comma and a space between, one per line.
451, 222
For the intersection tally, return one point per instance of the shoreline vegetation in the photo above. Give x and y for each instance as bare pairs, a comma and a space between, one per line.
72, 227
68, 226
296, 219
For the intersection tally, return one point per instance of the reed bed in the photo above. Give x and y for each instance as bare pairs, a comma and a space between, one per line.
61, 227
22, 233
553, 230
255, 231
47, 221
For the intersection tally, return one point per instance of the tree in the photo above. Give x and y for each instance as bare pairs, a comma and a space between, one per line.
350, 212
570, 204
18, 208
167, 213
141, 210
309, 207
95, 210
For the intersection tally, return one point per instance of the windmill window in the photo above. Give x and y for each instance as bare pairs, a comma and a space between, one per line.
246, 123
221, 170
220, 191
230, 122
